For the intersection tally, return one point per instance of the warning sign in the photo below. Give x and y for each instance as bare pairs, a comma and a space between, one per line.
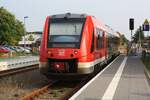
146, 22
146, 25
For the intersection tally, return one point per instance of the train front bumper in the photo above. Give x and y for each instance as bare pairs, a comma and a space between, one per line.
83, 67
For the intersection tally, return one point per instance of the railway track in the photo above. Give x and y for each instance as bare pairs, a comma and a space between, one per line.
17, 70
58, 90
29, 84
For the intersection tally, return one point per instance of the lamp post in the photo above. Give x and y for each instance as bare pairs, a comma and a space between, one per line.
25, 17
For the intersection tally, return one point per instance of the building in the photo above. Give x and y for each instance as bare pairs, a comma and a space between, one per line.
32, 39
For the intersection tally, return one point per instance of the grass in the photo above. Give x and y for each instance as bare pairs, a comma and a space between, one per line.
10, 89
146, 61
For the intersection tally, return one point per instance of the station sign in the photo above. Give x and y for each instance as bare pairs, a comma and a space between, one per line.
146, 25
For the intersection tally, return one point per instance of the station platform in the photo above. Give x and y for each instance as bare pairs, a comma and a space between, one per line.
123, 79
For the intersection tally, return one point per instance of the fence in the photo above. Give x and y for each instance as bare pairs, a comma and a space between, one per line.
19, 62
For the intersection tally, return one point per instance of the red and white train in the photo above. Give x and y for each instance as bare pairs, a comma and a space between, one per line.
75, 44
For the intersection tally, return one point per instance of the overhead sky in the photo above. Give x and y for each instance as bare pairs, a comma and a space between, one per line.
115, 13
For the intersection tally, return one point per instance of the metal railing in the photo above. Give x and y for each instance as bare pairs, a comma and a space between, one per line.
19, 62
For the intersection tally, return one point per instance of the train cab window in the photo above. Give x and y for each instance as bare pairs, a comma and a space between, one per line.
99, 38
65, 32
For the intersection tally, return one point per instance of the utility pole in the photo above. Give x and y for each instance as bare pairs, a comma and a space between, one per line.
140, 31
131, 35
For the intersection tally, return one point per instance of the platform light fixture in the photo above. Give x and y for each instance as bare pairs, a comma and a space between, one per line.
25, 17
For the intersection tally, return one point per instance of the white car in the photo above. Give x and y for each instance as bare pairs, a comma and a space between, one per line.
24, 49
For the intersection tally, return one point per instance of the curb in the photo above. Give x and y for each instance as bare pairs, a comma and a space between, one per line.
147, 75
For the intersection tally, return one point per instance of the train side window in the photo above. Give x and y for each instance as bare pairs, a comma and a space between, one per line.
108, 40
99, 38
92, 44
99, 41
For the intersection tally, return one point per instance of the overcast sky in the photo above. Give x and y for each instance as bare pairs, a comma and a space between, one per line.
114, 13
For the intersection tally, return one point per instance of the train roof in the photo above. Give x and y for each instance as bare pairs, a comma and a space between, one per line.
97, 22
111, 31
69, 15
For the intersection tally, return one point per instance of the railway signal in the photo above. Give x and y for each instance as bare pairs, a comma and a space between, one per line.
131, 25
131, 22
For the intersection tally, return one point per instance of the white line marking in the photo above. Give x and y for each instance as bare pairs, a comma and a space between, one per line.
90, 64
87, 84
109, 94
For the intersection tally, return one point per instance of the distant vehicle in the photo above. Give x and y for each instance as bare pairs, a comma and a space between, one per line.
3, 50
75, 45
28, 48
18, 49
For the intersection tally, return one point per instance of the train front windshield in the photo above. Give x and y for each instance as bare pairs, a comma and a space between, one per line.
65, 32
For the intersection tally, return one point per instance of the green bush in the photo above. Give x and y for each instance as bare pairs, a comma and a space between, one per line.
146, 61
1, 54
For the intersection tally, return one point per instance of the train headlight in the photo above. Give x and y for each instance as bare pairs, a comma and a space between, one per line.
75, 52
49, 52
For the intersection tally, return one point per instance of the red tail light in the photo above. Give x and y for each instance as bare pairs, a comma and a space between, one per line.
59, 66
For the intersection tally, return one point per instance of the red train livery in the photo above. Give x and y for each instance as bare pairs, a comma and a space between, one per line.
75, 44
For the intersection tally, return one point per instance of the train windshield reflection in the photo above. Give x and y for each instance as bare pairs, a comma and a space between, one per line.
65, 32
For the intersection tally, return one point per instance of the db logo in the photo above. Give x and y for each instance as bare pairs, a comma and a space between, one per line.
61, 52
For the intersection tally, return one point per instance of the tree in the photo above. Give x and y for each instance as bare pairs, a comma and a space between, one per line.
138, 36
31, 38
11, 29
124, 40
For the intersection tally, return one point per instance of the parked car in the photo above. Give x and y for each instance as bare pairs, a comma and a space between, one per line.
28, 48
8, 48
18, 49
3, 50
24, 49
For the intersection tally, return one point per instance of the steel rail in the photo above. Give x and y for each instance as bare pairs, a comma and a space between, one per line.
17, 70
35, 93
69, 93
38, 92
